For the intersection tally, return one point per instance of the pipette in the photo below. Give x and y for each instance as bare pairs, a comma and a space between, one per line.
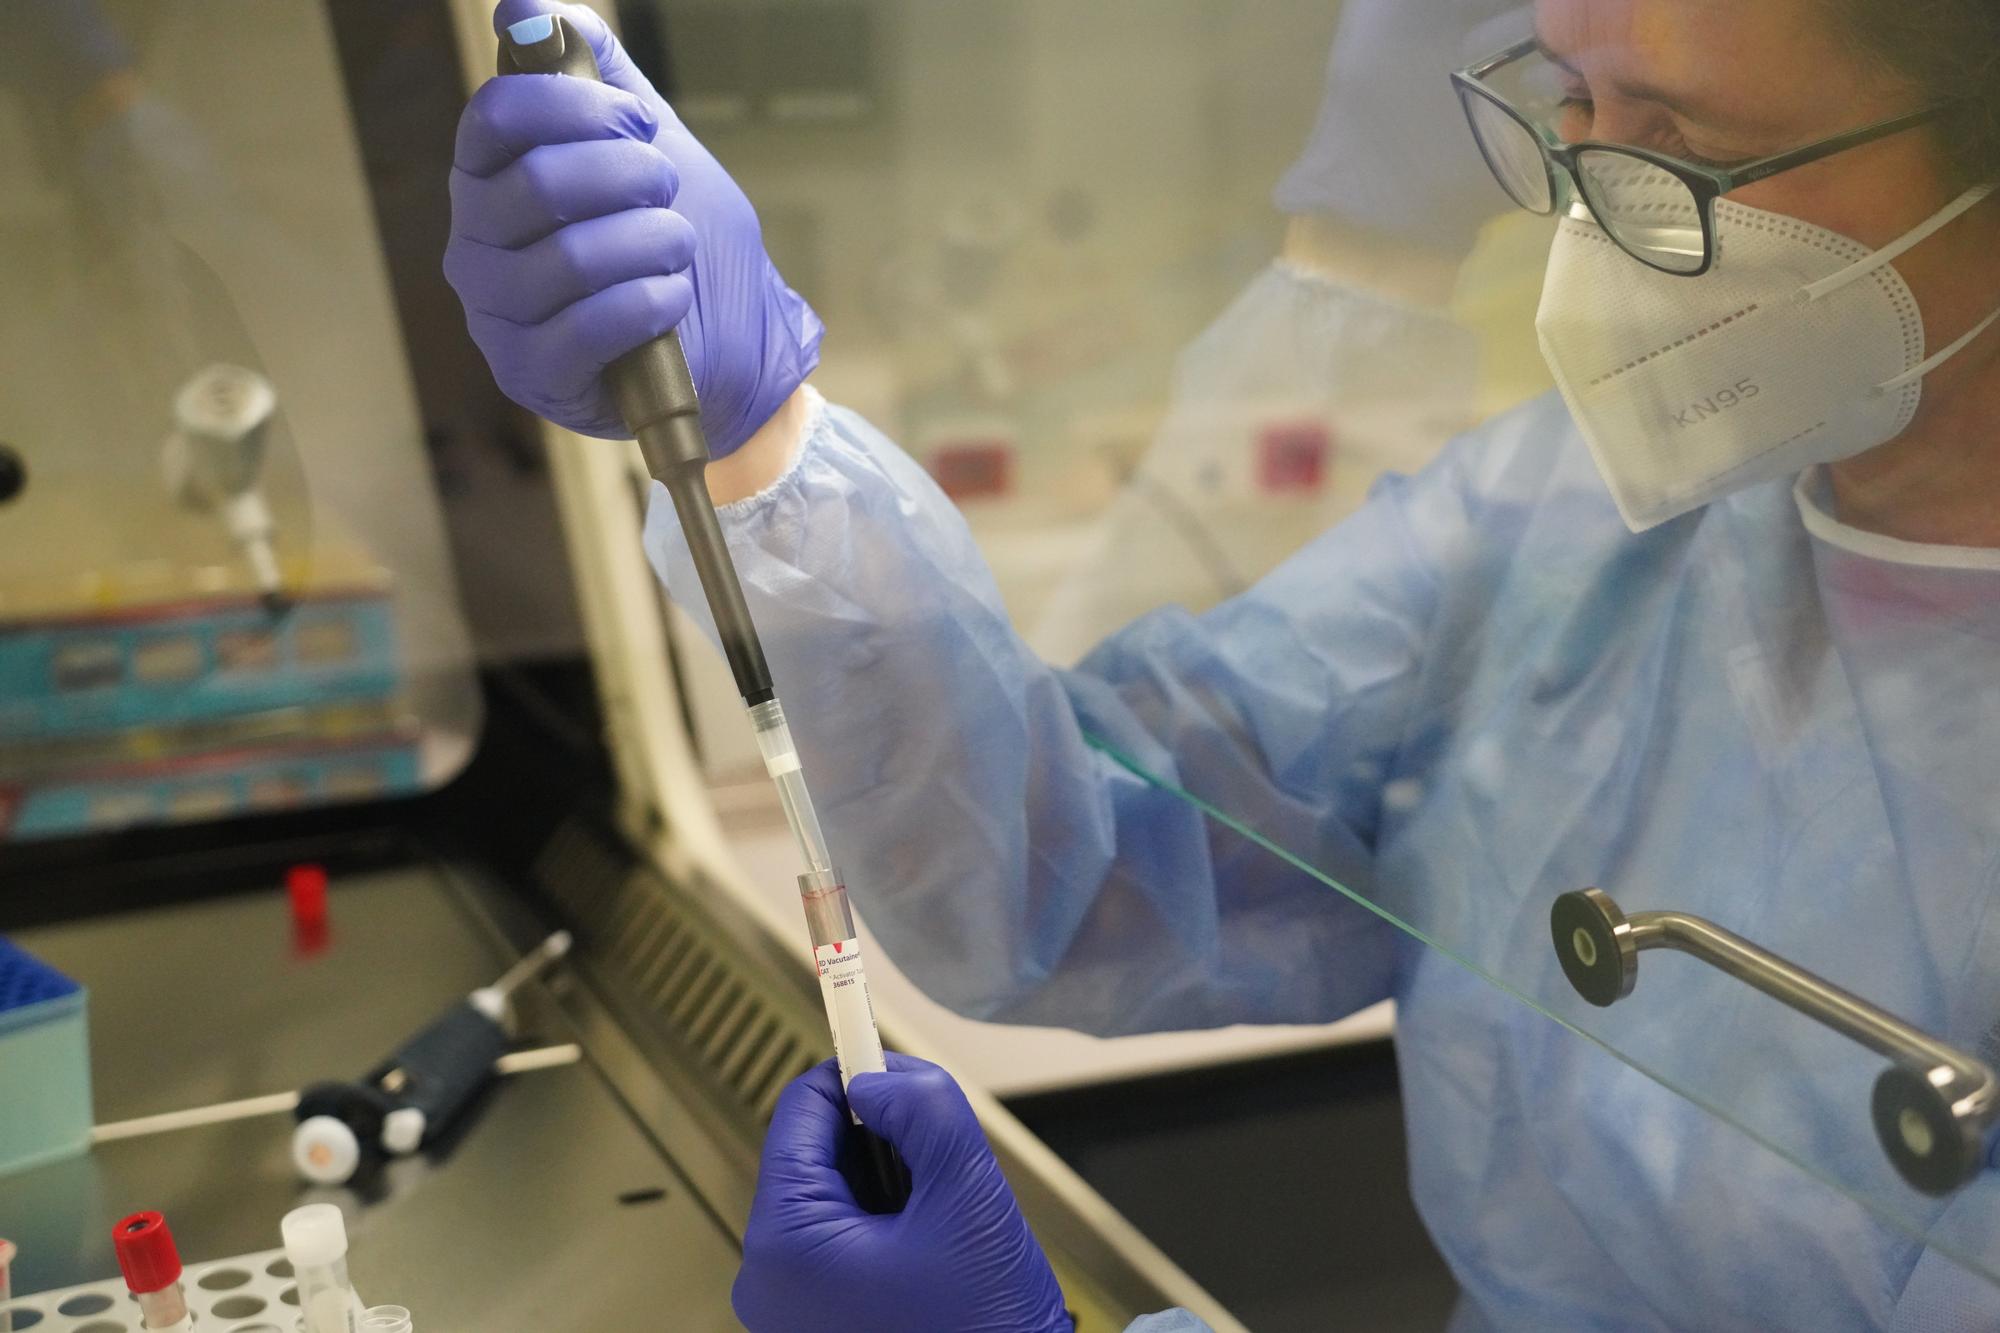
655, 394
415, 1095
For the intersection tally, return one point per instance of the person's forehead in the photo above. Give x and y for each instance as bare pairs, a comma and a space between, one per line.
1754, 59
1670, 28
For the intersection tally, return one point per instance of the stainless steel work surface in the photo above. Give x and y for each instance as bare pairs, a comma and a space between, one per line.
553, 1210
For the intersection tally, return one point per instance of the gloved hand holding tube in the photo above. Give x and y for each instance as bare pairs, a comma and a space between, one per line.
960, 1256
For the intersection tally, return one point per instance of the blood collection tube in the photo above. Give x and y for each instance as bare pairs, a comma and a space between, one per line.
871, 1163
844, 988
152, 1269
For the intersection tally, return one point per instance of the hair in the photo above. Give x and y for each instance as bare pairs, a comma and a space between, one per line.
1950, 49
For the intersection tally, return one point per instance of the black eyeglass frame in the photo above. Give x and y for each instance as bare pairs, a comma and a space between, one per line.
1705, 183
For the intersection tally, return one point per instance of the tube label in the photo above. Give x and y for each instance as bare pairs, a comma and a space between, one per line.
850, 1012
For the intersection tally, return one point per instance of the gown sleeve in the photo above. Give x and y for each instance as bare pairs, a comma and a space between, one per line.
984, 806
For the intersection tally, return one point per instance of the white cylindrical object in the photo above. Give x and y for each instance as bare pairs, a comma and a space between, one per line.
325, 1150
224, 402
387, 1319
250, 524
774, 737
316, 1244
403, 1131
248, 518
315, 1235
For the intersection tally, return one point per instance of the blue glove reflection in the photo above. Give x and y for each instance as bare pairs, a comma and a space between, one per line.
958, 1258
586, 221
1390, 150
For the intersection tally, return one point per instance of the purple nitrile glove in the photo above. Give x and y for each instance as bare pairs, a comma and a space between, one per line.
959, 1258
586, 221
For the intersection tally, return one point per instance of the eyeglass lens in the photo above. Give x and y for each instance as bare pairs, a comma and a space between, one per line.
1513, 152
1648, 210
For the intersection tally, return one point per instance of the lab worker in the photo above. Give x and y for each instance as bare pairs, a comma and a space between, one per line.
1717, 624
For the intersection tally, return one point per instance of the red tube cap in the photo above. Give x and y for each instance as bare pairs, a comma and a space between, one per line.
306, 886
146, 1253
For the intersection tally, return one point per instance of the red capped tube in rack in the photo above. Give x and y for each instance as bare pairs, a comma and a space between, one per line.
152, 1269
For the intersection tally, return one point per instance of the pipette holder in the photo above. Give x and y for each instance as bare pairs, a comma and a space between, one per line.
227, 1295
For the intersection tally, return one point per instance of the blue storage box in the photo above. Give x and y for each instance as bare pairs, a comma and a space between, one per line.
155, 666
45, 1110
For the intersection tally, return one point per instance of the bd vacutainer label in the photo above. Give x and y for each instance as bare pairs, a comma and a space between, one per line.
849, 1011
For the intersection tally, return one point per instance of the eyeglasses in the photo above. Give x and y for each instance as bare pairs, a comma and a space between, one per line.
1659, 209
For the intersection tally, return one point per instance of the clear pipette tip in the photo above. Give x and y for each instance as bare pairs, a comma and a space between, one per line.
781, 761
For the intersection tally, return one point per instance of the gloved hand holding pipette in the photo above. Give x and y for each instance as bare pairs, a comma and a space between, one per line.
580, 213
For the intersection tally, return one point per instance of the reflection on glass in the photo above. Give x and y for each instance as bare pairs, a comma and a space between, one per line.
196, 324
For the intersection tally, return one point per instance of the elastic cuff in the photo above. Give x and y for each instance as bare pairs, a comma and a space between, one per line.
818, 422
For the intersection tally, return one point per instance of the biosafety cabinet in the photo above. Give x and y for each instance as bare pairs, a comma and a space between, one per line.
331, 682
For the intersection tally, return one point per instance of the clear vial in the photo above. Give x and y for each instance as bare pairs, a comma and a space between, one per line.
386, 1319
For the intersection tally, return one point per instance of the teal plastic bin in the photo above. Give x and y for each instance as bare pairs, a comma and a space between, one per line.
44, 1062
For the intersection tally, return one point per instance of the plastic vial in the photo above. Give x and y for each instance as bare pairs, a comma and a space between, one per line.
387, 1319
316, 1243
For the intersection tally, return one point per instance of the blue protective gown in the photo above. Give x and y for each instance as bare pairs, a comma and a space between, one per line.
1474, 694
